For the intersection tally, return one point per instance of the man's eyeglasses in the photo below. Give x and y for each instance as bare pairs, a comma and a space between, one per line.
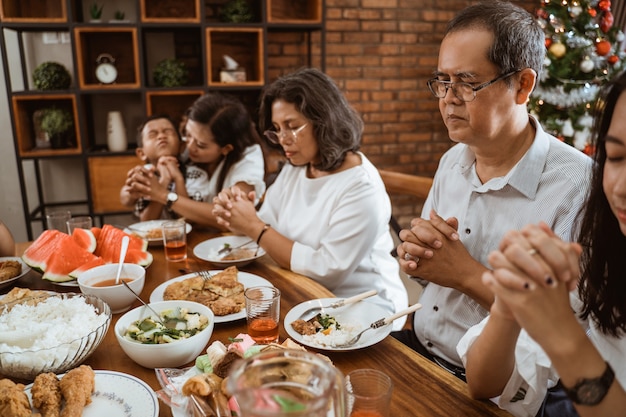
461, 90
274, 136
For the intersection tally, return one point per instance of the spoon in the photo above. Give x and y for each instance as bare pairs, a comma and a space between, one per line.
123, 250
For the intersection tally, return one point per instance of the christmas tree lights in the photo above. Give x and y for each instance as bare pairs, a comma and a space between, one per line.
583, 50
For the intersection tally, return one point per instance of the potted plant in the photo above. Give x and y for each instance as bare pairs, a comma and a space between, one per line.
118, 17
51, 76
236, 11
58, 124
95, 11
170, 73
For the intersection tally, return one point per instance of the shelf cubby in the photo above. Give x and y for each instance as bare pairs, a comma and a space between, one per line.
28, 131
33, 11
294, 12
215, 12
244, 45
120, 43
172, 103
106, 174
176, 11
182, 44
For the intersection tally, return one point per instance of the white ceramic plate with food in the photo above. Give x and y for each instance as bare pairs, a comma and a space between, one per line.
151, 230
353, 317
118, 394
246, 278
25, 269
208, 251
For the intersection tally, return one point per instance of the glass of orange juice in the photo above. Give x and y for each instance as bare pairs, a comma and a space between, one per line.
369, 393
263, 313
175, 240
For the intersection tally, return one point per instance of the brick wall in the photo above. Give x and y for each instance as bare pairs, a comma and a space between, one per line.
381, 52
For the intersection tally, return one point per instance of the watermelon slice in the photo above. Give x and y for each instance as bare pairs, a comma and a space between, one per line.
97, 261
37, 254
85, 239
61, 257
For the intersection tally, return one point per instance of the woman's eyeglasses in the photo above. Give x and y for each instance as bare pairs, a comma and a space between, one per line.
274, 136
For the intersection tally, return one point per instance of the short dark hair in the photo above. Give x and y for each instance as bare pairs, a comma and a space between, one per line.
229, 122
337, 127
519, 41
149, 119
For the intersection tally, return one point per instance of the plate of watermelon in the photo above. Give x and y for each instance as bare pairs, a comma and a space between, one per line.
61, 257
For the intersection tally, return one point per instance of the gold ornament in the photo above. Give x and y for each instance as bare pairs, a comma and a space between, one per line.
557, 49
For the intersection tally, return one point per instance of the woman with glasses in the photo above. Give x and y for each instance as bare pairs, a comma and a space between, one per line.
326, 215
222, 151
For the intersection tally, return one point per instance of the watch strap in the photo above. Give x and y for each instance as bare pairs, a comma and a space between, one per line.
591, 391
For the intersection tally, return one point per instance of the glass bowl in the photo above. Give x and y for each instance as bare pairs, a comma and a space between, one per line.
20, 360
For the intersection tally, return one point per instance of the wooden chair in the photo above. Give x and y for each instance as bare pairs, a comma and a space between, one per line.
406, 184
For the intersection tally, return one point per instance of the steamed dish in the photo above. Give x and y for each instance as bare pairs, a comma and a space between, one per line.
178, 323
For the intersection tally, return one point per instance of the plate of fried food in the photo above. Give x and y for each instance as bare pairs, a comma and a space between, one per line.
151, 230
88, 393
12, 268
222, 293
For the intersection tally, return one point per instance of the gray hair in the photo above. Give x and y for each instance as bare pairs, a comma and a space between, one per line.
519, 41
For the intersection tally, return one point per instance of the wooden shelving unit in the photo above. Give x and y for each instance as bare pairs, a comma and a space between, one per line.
192, 31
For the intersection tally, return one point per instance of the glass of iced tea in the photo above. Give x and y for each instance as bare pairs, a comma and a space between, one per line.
369, 393
175, 240
263, 313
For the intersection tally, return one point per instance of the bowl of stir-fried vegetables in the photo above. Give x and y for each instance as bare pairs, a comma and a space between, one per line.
177, 336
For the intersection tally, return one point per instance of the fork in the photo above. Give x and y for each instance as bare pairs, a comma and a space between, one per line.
314, 311
228, 249
380, 323
206, 275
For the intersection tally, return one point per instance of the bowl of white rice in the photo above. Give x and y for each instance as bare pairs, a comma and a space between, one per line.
53, 334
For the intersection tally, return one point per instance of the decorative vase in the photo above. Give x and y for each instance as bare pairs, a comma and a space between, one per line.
116, 132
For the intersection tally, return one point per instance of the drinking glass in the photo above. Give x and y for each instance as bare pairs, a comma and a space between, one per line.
263, 313
57, 220
83, 222
175, 240
369, 393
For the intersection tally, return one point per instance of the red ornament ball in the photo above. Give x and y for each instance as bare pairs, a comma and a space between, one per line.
613, 59
592, 12
606, 22
604, 5
548, 42
603, 47
542, 13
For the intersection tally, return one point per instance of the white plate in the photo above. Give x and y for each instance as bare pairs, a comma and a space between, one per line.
118, 394
146, 226
205, 250
360, 314
25, 269
246, 278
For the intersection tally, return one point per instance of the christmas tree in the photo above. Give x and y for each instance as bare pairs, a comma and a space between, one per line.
584, 50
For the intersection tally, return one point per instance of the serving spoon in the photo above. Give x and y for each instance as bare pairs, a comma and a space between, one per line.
123, 251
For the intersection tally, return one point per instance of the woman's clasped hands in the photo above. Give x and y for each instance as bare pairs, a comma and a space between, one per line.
234, 209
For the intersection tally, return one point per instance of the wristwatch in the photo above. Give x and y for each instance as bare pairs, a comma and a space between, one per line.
593, 390
171, 199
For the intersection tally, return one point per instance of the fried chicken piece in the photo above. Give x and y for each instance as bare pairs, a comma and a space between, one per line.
77, 386
46, 394
224, 306
13, 400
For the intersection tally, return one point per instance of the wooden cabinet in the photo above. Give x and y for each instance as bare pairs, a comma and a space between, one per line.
202, 34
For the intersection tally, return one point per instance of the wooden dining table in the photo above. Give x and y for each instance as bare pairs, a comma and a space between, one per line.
420, 387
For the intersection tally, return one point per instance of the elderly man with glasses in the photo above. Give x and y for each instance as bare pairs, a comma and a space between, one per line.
503, 173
